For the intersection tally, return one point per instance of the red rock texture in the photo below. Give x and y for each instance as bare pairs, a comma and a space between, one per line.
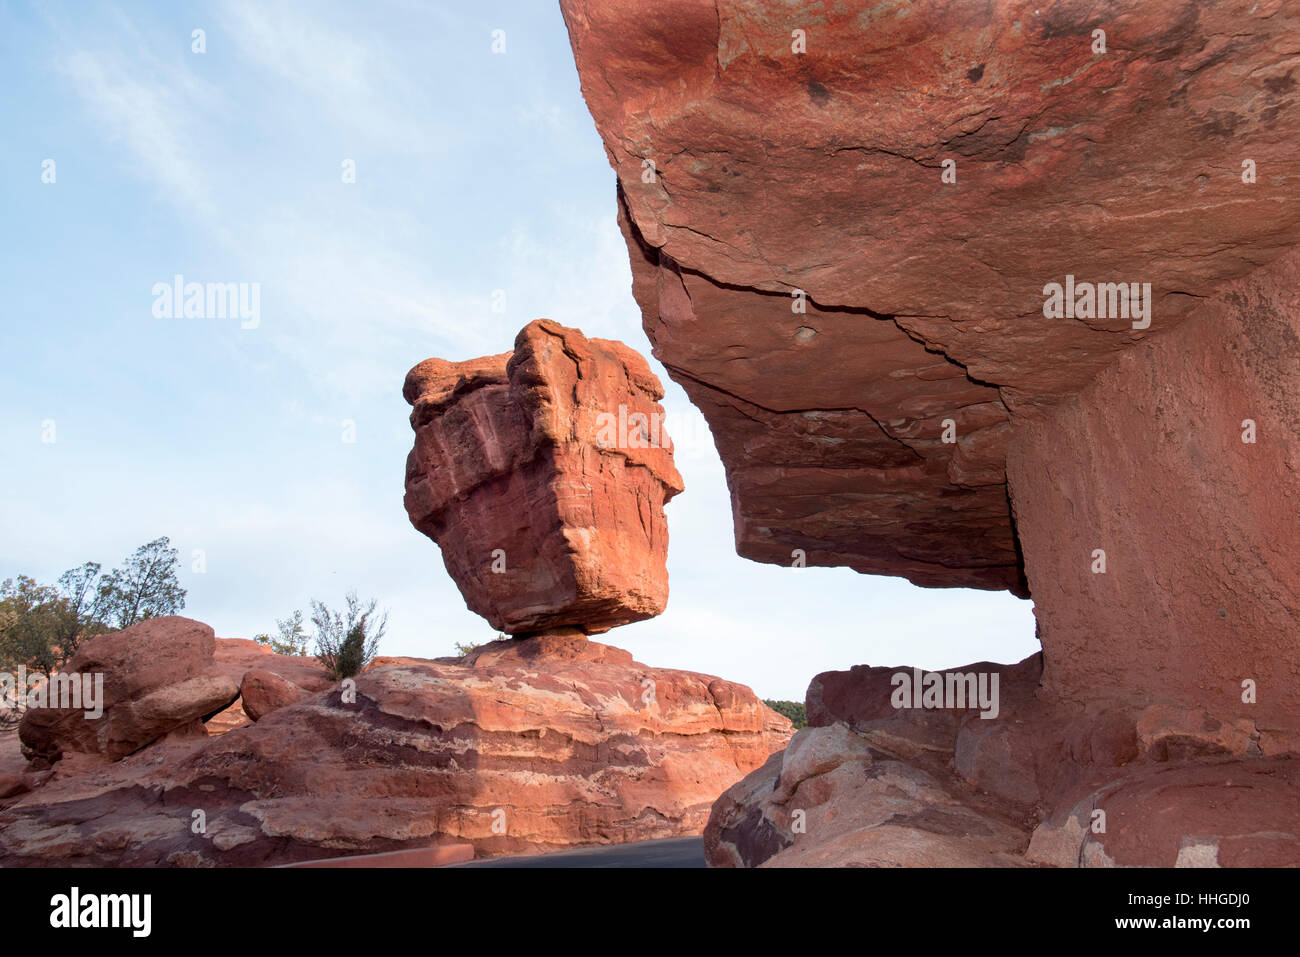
1202, 587
235, 657
158, 677
832, 304
547, 516
167, 677
867, 784
776, 171
528, 744
276, 678
262, 692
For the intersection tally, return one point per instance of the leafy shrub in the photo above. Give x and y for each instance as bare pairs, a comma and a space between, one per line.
346, 644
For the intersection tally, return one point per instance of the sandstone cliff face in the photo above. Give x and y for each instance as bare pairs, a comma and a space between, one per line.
776, 172
843, 221
525, 745
1184, 469
542, 474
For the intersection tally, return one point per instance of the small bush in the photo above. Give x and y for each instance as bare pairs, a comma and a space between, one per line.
292, 638
463, 649
346, 644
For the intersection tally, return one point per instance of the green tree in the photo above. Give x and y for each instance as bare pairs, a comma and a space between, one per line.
80, 612
292, 638
31, 616
794, 710
42, 626
145, 586
345, 644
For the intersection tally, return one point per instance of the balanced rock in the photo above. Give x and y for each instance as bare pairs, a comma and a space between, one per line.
542, 474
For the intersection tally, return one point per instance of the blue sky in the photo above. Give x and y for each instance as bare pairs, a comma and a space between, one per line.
475, 172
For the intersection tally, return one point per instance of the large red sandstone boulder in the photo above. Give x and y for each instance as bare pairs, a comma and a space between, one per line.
831, 303
542, 474
237, 656
279, 679
262, 692
528, 744
158, 677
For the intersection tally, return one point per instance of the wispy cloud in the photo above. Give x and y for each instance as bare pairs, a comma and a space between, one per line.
150, 111
356, 77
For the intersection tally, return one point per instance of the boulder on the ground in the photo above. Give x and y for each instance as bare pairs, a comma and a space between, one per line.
264, 691
157, 676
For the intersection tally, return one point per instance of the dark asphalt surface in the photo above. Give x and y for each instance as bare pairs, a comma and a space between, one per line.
670, 852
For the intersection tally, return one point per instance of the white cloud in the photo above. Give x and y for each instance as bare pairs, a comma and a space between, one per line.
154, 119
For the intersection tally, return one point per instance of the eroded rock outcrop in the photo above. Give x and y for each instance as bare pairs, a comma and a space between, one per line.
750, 172
542, 474
844, 222
163, 677
158, 677
1040, 782
523, 745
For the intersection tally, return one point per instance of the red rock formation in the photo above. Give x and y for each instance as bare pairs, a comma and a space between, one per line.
1201, 589
833, 302
262, 692
167, 676
1043, 782
292, 676
158, 678
528, 744
776, 172
542, 474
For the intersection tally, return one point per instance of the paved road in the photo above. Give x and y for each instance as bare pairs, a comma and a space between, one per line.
670, 852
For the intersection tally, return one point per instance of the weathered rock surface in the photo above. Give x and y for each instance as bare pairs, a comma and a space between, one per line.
158, 677
834, 304
276, 680
166, 677
1043, 783
262, 692
1201, 588
542, 474
777, 172
235, 657
527, 744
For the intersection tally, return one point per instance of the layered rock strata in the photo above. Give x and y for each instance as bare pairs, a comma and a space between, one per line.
523, 745
542, 474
